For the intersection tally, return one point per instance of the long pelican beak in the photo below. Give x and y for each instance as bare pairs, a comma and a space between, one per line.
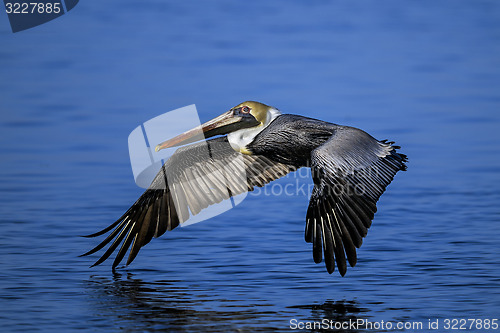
225, 123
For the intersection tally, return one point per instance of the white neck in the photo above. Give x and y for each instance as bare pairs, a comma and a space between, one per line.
241, 138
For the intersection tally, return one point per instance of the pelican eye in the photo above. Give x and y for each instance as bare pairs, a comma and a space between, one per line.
245, 109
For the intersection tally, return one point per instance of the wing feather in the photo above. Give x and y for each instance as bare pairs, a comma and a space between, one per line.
195, 177
350, 171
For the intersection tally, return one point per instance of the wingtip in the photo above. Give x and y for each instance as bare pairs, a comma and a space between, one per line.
114, 268
97, 263
92, 235
352, 262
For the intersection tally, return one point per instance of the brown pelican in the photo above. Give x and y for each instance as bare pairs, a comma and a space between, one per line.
350, 170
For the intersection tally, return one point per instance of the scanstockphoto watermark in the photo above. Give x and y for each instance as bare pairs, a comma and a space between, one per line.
185, 175
463, 324
354, 324
299, 183
180, 174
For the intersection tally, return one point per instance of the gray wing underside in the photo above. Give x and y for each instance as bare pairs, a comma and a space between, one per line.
350, 172
193, 178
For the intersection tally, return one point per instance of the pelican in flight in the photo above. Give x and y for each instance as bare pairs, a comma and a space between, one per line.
350, 170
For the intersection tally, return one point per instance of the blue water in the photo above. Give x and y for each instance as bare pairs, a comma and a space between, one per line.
425, 74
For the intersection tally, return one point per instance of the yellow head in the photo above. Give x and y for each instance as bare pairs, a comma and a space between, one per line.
258, 110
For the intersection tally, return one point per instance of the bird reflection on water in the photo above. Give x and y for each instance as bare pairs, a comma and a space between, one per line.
130, 303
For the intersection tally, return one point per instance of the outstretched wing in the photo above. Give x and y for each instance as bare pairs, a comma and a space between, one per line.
350, 171
192, 179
